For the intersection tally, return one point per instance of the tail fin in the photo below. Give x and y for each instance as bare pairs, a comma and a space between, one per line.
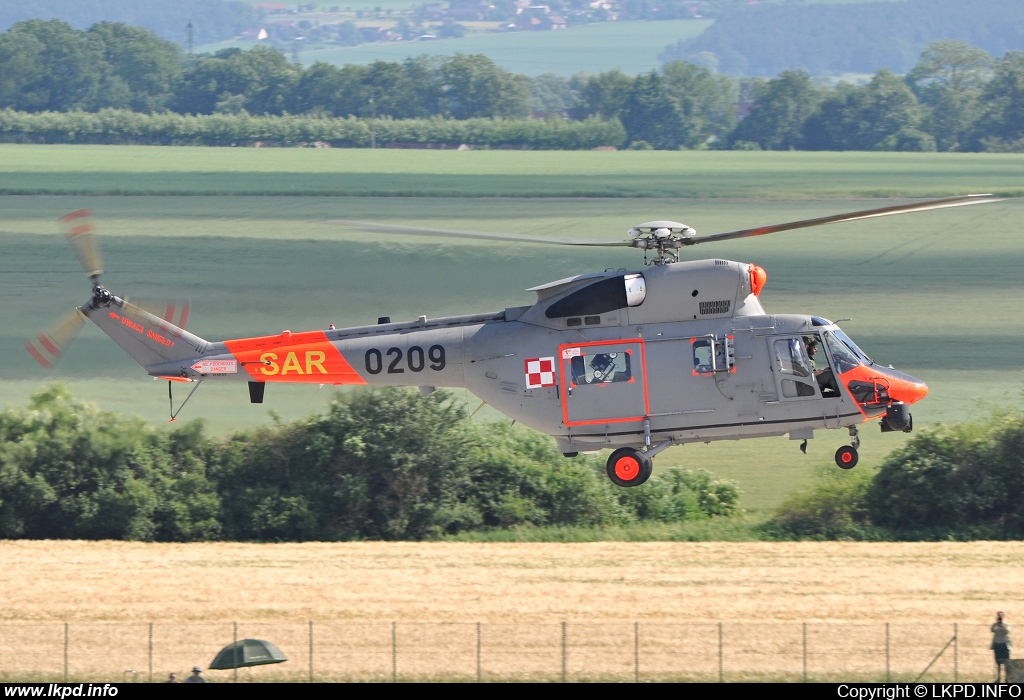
149, 339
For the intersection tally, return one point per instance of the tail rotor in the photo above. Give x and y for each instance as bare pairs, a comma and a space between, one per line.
47, 347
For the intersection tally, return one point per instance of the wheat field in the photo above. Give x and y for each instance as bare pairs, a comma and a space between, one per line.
372, 611
510, 582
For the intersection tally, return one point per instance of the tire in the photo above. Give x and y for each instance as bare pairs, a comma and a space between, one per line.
846, 457
628, 466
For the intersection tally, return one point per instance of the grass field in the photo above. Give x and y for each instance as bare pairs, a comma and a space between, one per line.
138, 170
631, 47
932, 293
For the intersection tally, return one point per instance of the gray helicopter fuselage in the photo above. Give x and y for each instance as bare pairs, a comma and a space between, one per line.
681, 352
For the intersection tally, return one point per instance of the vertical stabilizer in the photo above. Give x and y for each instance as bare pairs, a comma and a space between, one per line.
148, 338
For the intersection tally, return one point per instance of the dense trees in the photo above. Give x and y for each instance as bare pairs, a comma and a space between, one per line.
960, 481
833, 38
387, 465
955, 98
780, 108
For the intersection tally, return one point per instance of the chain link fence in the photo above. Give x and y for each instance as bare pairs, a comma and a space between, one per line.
332, 651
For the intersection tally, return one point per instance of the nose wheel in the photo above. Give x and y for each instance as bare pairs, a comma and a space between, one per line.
628, 466
846, 456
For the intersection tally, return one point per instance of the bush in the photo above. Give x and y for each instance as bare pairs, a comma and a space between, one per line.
833, 509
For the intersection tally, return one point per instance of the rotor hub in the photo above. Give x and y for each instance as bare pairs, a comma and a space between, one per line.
663, 237
101, 296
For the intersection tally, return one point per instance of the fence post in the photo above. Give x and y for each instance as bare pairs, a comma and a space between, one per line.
636, 651
479, 645
394, 652
150, 652
565, 652
805, 652
310, 651
956, 653
888, 675
67, 632
234, 653
721, 672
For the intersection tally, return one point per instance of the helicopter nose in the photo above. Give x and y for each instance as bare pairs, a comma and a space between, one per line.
903, 387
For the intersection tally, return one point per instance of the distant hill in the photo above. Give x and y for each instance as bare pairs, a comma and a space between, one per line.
832, 39
212, 20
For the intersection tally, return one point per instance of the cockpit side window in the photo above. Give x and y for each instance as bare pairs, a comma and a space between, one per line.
791, 357
794, 368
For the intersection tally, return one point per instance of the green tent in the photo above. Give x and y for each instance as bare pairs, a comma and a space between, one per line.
247, 652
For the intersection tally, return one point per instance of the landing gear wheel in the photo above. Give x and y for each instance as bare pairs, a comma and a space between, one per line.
846, 457
629, 467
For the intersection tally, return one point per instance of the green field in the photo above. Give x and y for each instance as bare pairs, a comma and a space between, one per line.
135, 170
933, 293
631, 47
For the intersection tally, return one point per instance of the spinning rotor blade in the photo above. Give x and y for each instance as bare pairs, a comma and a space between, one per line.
175, 312
80, 233
960, 201
450, 233
47, 347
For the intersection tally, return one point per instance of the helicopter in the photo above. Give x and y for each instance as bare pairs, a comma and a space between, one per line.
635, 361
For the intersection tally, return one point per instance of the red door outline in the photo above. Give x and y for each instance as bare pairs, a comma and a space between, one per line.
566, 359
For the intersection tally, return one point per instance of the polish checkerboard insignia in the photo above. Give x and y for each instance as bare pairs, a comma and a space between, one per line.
540, 372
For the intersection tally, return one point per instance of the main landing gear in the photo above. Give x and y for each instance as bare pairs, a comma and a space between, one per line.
846, 456
628, 466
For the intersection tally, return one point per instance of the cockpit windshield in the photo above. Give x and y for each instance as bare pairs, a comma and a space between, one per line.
844, 351
853, 346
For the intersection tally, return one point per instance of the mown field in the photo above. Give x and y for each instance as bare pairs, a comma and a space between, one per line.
932, 293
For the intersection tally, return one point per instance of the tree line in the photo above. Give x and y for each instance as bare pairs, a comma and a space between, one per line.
955, 98
963, 482
376, 465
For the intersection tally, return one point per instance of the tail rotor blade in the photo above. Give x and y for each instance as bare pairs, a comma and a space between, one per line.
80, 230
47, 347
173, 312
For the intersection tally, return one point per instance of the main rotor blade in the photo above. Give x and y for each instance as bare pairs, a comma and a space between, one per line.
451, 233
47, 347
959, 201
80, 233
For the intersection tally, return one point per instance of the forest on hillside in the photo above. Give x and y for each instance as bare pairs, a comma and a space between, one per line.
834, 39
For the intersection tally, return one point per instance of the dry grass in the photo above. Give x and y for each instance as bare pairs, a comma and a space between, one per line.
509, 583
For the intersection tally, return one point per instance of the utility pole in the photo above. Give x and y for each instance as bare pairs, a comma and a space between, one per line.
189, 37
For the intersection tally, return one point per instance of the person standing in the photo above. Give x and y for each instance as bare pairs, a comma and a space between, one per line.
1001, 646
196, 676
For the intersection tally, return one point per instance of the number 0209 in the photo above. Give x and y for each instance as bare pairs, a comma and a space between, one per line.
414, 359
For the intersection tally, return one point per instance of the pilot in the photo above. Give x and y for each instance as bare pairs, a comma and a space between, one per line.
826, 382
811, 344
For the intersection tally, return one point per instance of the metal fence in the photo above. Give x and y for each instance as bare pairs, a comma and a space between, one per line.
647, 651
